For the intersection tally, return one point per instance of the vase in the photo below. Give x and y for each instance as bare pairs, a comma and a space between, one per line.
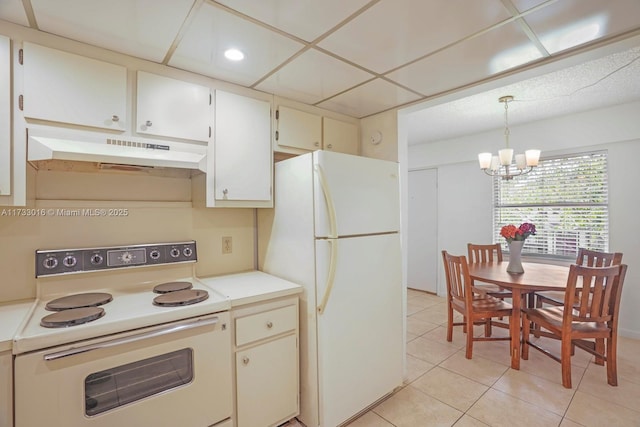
515, 257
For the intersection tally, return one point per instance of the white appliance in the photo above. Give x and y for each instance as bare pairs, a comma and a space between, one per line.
123, 336
335, 230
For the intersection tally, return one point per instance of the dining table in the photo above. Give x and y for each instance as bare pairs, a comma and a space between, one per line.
536, 277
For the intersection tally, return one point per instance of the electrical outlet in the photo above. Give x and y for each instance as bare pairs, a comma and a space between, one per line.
227, 245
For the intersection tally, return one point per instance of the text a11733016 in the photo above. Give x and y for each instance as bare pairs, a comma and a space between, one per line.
64, 212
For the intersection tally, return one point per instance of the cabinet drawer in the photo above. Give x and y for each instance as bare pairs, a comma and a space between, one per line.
266, 324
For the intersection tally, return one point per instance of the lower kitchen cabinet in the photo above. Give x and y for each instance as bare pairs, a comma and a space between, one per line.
6, 389
266, 363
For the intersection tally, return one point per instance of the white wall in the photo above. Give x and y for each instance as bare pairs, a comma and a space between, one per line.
464, 192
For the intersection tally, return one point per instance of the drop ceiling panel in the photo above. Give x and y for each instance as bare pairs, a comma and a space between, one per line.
524, 5
142, 28
369, 98
312, 77
475, 59
305, 19
215, 30
569, 23
13, 11
394, 32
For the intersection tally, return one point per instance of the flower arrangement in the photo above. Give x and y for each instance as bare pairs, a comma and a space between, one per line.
511, 232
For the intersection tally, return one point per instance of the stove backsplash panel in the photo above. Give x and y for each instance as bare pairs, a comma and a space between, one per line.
52, 223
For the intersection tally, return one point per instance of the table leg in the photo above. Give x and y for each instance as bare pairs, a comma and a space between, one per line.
516, 302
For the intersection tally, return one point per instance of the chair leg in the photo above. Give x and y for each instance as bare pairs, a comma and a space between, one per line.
565, 361
612, 365
487, 327
449, 323
469, 323
525, 336
599, 348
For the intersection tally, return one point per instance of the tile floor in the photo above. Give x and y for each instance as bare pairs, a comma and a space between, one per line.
443, 388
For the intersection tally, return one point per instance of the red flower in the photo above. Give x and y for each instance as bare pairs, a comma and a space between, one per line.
511, 232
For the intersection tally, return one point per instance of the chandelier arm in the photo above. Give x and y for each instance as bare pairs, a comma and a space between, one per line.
506, 175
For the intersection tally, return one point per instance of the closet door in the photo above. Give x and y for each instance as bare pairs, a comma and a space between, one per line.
423, 258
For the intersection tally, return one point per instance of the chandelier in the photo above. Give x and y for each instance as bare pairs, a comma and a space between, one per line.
501, 165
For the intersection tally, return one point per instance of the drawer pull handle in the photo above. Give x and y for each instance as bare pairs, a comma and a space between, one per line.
245, 360
269, 324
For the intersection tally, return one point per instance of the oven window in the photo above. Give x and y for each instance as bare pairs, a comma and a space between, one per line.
128, 383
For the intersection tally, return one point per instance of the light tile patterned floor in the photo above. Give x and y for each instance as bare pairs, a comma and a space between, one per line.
443, 388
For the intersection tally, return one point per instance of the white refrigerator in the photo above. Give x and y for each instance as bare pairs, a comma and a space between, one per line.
334, 229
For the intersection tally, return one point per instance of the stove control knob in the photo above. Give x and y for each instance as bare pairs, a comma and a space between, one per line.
69, 261
154, 254
96, 259
50, 263
187, 252
175, 252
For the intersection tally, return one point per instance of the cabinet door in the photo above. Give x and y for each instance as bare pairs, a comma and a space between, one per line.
5, 116
67, 88
243, 155
267, 383
298, 129
339, 136
172, 108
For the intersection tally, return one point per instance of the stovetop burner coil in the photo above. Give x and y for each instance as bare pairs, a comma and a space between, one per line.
72, 317
165, 288
89, 299
180, 298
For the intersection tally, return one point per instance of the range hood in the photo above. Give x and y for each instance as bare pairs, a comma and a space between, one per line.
107, 149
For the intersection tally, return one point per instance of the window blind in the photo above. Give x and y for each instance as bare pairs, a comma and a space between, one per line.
566, 198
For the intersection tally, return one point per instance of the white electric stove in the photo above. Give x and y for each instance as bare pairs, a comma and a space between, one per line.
121, 333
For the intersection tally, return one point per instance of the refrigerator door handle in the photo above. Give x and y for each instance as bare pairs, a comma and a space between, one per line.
331, 275
331, 209
333, 234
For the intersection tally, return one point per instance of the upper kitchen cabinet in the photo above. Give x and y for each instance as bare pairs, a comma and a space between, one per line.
5, 116
298, 129
339, 136
66, 88
240, 160
172, 108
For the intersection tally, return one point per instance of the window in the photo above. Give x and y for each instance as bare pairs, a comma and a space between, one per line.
567, 200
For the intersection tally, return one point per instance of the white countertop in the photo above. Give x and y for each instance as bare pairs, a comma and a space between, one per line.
252, 286
11, 316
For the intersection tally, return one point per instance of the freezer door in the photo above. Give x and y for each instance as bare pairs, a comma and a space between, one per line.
360, 331
354, 195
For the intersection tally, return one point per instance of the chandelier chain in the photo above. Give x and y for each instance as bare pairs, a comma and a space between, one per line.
506, 122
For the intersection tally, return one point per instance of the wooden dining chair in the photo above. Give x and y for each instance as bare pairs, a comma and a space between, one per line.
585, 257
482, 254
475, 308
588, 319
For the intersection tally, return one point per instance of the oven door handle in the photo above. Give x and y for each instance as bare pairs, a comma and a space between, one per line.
132, 338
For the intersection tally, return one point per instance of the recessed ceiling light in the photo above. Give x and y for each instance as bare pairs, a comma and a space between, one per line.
234, 55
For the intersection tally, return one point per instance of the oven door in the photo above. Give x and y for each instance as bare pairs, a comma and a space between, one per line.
177, 374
